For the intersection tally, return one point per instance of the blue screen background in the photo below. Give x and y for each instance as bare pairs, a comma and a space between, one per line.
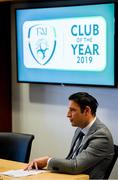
105, 77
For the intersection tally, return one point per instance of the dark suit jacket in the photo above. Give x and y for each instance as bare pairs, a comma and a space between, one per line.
95, 154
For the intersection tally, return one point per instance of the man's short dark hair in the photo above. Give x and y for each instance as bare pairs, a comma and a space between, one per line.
84, 99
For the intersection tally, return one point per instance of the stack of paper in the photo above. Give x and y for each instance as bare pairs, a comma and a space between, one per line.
21, 172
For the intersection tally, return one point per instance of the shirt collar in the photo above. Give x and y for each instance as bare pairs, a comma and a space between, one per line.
86, 129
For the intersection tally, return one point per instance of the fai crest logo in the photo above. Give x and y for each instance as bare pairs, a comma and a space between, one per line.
42, 42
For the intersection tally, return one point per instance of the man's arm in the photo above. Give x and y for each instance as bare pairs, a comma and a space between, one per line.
97, 148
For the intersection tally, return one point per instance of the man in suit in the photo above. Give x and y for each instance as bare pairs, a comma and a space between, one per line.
93, 151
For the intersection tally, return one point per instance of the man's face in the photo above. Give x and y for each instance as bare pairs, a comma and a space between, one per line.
76, 117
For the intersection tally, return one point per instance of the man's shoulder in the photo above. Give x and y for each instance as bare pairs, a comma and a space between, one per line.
100, 124
102, 129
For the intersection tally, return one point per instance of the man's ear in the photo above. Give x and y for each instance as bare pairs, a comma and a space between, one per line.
87, 110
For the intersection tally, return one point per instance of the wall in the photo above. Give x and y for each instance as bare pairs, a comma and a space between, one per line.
5, 68
41, 110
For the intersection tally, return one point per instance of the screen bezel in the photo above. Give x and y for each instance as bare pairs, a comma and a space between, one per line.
50, 4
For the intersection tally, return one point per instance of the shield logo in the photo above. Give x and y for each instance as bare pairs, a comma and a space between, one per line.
42, 42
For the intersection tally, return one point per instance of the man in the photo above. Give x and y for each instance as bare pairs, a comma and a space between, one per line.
93, 151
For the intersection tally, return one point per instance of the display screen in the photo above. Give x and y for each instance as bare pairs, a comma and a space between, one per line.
66, 44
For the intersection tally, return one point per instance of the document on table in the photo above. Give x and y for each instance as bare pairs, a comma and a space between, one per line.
21, 172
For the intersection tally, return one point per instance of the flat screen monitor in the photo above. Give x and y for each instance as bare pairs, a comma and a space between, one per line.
61, 43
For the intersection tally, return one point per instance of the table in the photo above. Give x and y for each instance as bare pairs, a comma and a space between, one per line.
6, 165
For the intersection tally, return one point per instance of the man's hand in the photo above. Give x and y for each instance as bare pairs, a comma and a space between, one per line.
38, 163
